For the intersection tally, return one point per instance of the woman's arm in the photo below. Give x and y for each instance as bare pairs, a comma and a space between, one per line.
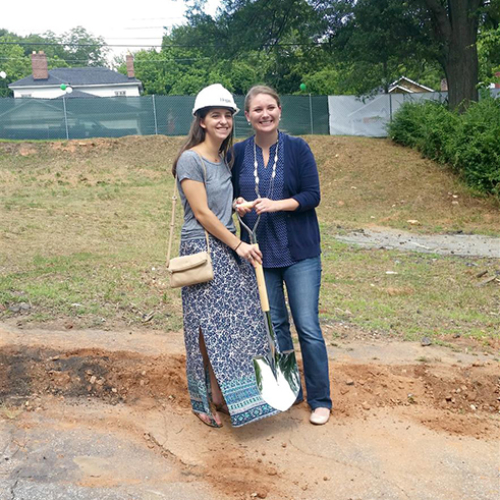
196, 196
263, 205
309, 195
306, 177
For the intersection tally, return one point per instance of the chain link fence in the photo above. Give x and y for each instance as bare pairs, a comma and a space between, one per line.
77, 118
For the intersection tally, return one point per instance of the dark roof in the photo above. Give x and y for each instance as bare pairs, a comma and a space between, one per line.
77, 76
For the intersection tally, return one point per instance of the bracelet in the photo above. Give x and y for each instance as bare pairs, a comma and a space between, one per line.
237, 246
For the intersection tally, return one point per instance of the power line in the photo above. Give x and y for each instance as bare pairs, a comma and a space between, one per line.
173, 45
156, 18
62, 44
135, 38
144, 28
136, 61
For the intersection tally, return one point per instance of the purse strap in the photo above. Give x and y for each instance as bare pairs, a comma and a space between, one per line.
174, 202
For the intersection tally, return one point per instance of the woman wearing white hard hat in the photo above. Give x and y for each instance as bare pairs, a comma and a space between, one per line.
223, 325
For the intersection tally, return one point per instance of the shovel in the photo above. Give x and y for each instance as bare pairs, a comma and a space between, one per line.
277, 373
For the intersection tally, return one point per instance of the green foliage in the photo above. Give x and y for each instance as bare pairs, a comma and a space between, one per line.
342, 47
477, 144
326, 81
248, 42
378, 38
75, 48
83, 49
13, 62
467, 142
488, 47
425, 127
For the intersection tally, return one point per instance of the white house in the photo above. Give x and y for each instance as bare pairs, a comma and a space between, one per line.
84, 82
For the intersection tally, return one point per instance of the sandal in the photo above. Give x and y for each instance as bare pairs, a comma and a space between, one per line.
208, 420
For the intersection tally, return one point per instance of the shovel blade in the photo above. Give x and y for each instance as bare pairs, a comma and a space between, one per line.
278, 379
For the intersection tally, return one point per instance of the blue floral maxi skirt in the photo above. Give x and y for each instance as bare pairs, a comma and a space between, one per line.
228, 313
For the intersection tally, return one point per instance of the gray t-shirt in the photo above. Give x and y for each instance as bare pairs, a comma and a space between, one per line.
219, 192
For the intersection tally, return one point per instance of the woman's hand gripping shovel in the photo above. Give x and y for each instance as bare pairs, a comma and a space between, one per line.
277, 373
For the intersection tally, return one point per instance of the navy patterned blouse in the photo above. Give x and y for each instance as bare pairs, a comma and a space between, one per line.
271, 231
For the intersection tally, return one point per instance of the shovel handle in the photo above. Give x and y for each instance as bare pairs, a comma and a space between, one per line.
261, 283
246, 204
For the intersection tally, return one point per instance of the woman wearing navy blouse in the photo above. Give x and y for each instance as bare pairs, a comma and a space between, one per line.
279, 174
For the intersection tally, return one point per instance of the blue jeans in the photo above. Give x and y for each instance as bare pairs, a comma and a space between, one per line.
302, 281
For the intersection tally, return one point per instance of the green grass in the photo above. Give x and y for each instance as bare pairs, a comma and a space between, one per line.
91, 288
84, 241
431, 295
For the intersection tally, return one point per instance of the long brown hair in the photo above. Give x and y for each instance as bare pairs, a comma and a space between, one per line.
197, 136
261, 89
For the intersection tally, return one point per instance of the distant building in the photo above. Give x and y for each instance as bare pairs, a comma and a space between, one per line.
405, 85
84, 82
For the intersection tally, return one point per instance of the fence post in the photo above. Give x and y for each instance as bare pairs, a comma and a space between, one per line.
311, 114
154, 112
390, 106
65, 118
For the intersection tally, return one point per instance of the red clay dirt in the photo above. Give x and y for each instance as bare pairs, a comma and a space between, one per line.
388, 412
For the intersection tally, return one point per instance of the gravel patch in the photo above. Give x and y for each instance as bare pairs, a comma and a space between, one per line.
466, 245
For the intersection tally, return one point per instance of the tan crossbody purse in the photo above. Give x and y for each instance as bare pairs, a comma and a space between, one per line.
188, 269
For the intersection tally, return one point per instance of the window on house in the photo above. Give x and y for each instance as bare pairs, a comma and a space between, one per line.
120, 93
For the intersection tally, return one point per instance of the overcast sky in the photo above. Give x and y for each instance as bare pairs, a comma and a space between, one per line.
123, 22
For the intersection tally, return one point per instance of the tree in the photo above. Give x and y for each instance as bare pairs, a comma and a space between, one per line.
83, 49
275, 37
444, 31
367, 44
488, 46
355, 46
49, 43
382, 40
75, 48
13, 63
455, 26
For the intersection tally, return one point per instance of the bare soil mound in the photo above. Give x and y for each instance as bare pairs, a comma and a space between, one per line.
456, 399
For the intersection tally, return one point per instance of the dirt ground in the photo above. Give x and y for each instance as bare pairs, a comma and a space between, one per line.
409, 422
91, 414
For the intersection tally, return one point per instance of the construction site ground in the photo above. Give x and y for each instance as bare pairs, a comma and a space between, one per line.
105, 415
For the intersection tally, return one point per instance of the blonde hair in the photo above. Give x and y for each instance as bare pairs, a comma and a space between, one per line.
261, 89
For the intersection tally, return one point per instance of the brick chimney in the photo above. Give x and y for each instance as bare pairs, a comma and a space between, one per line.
39, 66
444, 85
130, 66
497, 85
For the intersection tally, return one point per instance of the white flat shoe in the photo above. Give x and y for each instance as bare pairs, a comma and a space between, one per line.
320, 416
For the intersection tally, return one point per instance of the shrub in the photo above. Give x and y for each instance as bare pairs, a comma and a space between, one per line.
477, 145
469, 143
406, 127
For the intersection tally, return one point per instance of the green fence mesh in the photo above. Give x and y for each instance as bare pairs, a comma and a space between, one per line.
77, 118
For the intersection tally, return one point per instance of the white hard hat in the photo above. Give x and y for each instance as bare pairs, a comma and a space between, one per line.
214, 96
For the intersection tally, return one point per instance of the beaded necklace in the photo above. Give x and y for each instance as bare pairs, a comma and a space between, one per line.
270, 191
